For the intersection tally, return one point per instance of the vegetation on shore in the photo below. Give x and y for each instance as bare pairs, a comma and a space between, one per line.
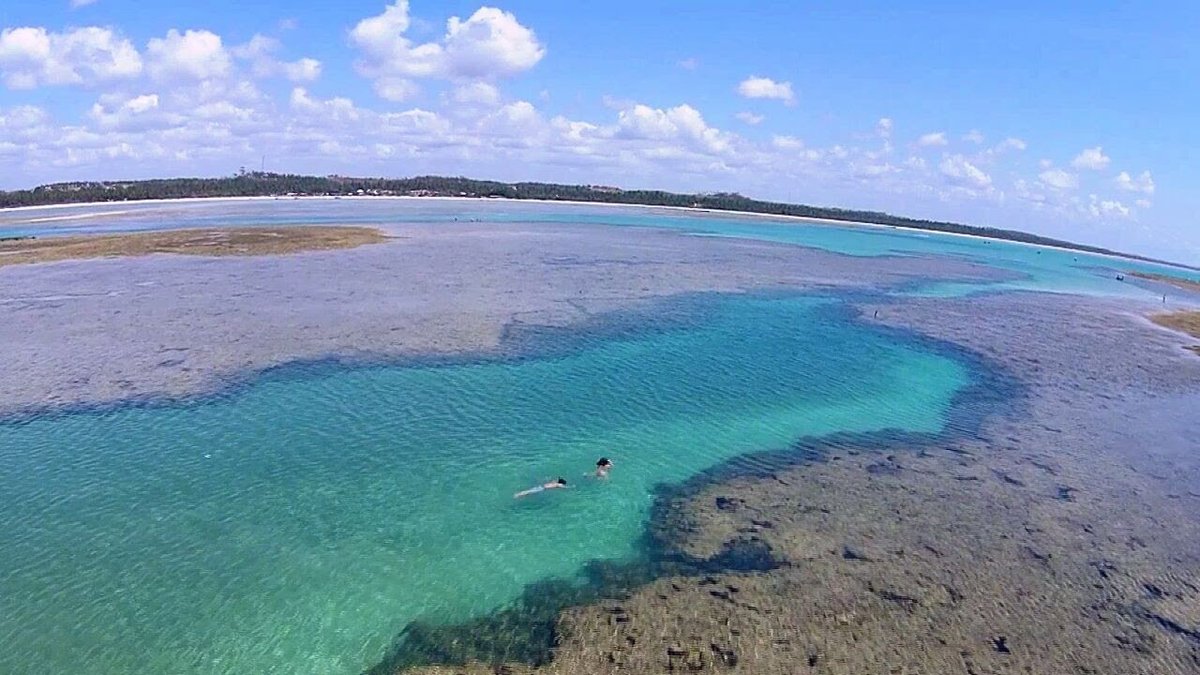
208, 242
251, 184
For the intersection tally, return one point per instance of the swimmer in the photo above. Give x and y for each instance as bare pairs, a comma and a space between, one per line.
552, 485
603, 466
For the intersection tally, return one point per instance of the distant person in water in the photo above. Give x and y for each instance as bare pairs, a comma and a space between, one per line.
552, 485
603, 466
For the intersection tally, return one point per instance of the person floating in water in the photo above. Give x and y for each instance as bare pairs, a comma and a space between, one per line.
552, 485
603, 466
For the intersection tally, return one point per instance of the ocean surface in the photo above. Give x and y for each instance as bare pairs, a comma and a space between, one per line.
298, 523
1040, 268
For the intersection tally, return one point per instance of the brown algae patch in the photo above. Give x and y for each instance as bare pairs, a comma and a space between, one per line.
223, 241
1186, 322
1178, 282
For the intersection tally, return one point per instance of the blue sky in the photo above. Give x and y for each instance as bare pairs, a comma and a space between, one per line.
1075, 120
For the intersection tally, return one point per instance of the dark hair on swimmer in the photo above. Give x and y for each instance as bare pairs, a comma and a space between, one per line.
562, 481
603, 461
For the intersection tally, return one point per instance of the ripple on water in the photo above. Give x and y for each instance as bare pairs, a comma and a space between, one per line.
299, 524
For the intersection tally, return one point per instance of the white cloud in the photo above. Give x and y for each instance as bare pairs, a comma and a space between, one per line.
334, 109
1093, 159
974, 136
1011, 143
1045, 163
681, 123
1102, 208
33, 57
304, 70
764, 87
933, 139
476, 93
960, 170
194, 54
787, 143
1143, 183
1058, 179
141, 104
22, 118
76, 4
395, 89
884, 127
1143, 203
690, 63
260, 52
749, 118
489, 44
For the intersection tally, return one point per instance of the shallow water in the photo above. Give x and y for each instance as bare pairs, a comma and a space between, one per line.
297, 524
1039, 268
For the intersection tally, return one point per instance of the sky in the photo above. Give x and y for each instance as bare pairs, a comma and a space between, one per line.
1070, 119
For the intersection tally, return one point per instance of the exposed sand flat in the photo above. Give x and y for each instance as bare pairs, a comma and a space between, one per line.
1178, 282
98, 331
219, 241
1061, 538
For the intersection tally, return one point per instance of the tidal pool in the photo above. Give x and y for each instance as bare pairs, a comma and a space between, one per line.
297, 523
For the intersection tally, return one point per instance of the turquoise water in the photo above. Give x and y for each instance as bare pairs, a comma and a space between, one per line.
1039, 268
297, 524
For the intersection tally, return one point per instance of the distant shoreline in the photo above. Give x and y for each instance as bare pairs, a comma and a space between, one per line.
682, 209
257, 184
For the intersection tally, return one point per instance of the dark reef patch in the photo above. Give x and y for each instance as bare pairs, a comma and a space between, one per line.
528, 630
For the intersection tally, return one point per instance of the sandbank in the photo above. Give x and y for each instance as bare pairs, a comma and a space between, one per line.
220, 241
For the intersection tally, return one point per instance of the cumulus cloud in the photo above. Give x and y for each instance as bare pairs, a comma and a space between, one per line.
749, 118
192, 54
1107, 208
489, 44
336, 109
681, 123
33, 57
1058, 179
1011, 143
787, 143
1092, 159
137, 113
961, 171
974, 136
1143, 203
884, 127
476, 93
260, 53
934, 139
765, 87
1143, 183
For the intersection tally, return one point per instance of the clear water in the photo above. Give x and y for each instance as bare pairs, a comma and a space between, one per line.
297, 524
1039, 268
